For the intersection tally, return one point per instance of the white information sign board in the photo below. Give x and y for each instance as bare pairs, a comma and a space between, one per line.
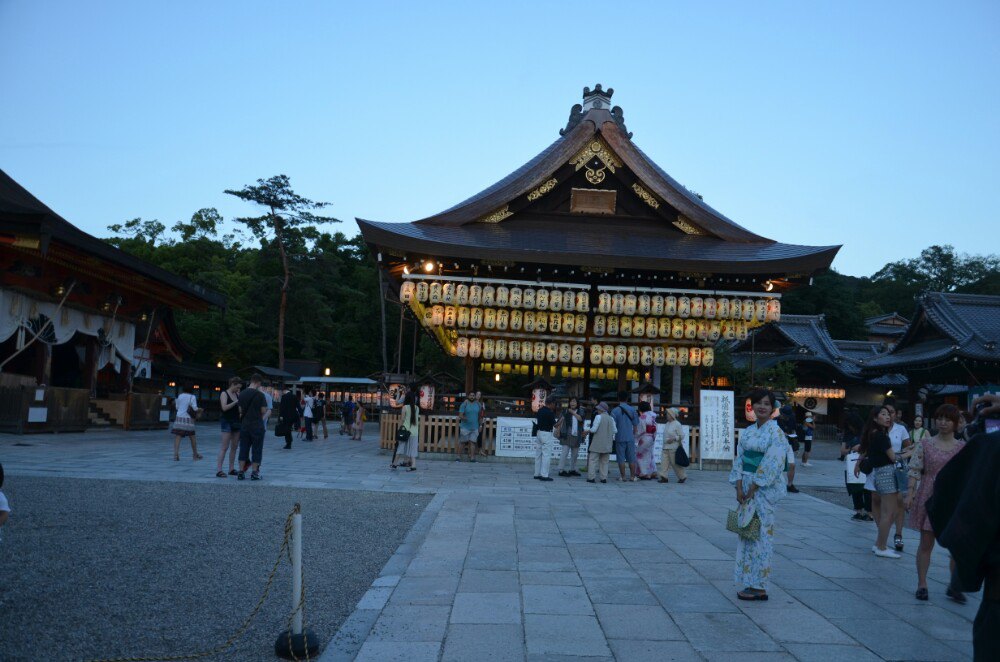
38, 414
717, 429
514, 437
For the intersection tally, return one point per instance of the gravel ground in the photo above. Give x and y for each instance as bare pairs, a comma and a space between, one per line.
119, 568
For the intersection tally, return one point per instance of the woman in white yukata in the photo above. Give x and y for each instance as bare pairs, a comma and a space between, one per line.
759, 479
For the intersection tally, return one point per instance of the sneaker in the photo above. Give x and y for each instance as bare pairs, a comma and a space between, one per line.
573, 473
544, 478
867, 517
564, 474
793, 489
805, 464
604, 480
664, 480
858, 517
240, 476
255, 476
537, 477
591, 480
886, 554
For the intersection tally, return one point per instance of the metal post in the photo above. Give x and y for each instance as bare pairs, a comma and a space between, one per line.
297, 570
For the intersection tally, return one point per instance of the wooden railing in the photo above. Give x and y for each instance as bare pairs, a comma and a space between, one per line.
145, 411
64, 409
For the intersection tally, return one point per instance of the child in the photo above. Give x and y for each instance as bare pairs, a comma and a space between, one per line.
4, 506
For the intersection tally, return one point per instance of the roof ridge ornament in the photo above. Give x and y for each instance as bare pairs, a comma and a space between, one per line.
596, 99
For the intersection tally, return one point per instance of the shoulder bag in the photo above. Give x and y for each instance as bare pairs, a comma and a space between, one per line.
681, 458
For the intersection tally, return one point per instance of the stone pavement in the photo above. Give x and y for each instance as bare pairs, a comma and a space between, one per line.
504, 567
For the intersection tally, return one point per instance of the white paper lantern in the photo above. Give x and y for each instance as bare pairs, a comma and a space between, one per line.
476, 318
595, 355
722, 308
608, 354
659, 356
599, 325
708, 356
633, 355
503, 319
448, 293
423, 291
569, 300
612, 325
742, 331
714, 330
503, 295
618, 303
516, 320
489, 295
490, 318
663, 328
514, 350
450, 315
578, 353
555, 300
529, 321
488, 346
671, 356
773, 310
542, 299
652, 327
625, 327
583, 302
437, 315
516, 297
462, 294
682, 356
555, 323
703, 326
638, 327
475, 295
684, 307
644, 304
463, 317
604, 303
670, 305
565, 352
729, 330
630, 304
690, 329
697, 307
711, 306
568, 322
435, 296
646, 355
748, 310
656, 305
475, 347
406, 291
677, 329
528, 298
462, 346
694, 356
760, 310
539, 352
621, 354
541, 322
735, 309
500, 350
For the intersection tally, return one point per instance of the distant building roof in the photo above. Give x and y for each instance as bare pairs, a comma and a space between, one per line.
274, 373
890, 325
356, 381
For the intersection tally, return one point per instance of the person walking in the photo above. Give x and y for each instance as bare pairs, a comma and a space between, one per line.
930, 455
320, 412
876, 447
347, 416
673, 435
626, 421
544, 438
808, 430
602, 435
358, 428
187, 411
788, 425
288, 416
230, 423
253, 406
757, 475
308, 402
899, 438
409, 418
469, 413
570, 434
644, 460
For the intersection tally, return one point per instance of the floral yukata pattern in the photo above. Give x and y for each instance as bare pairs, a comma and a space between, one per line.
753, 558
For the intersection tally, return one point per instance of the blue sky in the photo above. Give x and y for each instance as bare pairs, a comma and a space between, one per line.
874, 125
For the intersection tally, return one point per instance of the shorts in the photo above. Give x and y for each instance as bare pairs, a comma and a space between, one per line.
789, 457
251, 445
807, 443
467, 436
884, 479
625, 451
794, 442
228, 426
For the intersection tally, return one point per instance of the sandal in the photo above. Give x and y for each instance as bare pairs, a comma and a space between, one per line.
232, 472
196, 456
921, 594
220, 474
412, 469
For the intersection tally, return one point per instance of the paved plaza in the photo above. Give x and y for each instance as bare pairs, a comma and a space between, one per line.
503, 567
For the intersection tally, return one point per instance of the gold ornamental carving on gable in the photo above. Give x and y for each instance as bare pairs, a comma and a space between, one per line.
645, 196
543, 189
686, 227
498, 215
596, 149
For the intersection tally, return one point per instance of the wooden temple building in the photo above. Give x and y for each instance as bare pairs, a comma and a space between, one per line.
81, 323
587, 262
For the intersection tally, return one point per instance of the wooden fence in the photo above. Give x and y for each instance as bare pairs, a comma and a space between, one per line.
57, 410
146, 411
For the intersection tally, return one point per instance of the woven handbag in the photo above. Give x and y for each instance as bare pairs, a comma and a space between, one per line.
750, 532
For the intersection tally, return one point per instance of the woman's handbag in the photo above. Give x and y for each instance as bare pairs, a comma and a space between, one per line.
402, 435
865, 465
751, 530
681, 458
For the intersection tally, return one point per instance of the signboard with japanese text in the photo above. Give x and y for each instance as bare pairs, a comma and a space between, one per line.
717, 429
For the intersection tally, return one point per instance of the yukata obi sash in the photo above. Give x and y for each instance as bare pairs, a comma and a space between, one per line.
751, 460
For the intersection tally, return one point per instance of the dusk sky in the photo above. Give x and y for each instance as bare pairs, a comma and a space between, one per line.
873, 125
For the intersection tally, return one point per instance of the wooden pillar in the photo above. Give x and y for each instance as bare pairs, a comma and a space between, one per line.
696, 387
657, 378
470, 374
623, 379
43, 363
675, 385
90, 365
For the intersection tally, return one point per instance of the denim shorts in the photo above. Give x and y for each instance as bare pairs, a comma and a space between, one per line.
229, 427
625, 451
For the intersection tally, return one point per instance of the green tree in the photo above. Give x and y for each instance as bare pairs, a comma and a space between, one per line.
288, 223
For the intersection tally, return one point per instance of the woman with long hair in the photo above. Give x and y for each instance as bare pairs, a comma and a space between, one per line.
409, 418
187, 412
929, 456
645, 442
876, 447
230, 423
760, 483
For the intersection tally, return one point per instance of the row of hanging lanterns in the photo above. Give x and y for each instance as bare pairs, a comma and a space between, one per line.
837, 393
502, 320
517, 350
462, 294
553, 371
748, 310
647, 355
678, 329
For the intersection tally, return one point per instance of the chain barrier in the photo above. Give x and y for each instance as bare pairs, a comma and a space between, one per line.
283, 551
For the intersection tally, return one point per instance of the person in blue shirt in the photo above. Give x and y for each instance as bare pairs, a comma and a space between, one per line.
626, 420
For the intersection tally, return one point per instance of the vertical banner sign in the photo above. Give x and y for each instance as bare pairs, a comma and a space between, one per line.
717, 425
